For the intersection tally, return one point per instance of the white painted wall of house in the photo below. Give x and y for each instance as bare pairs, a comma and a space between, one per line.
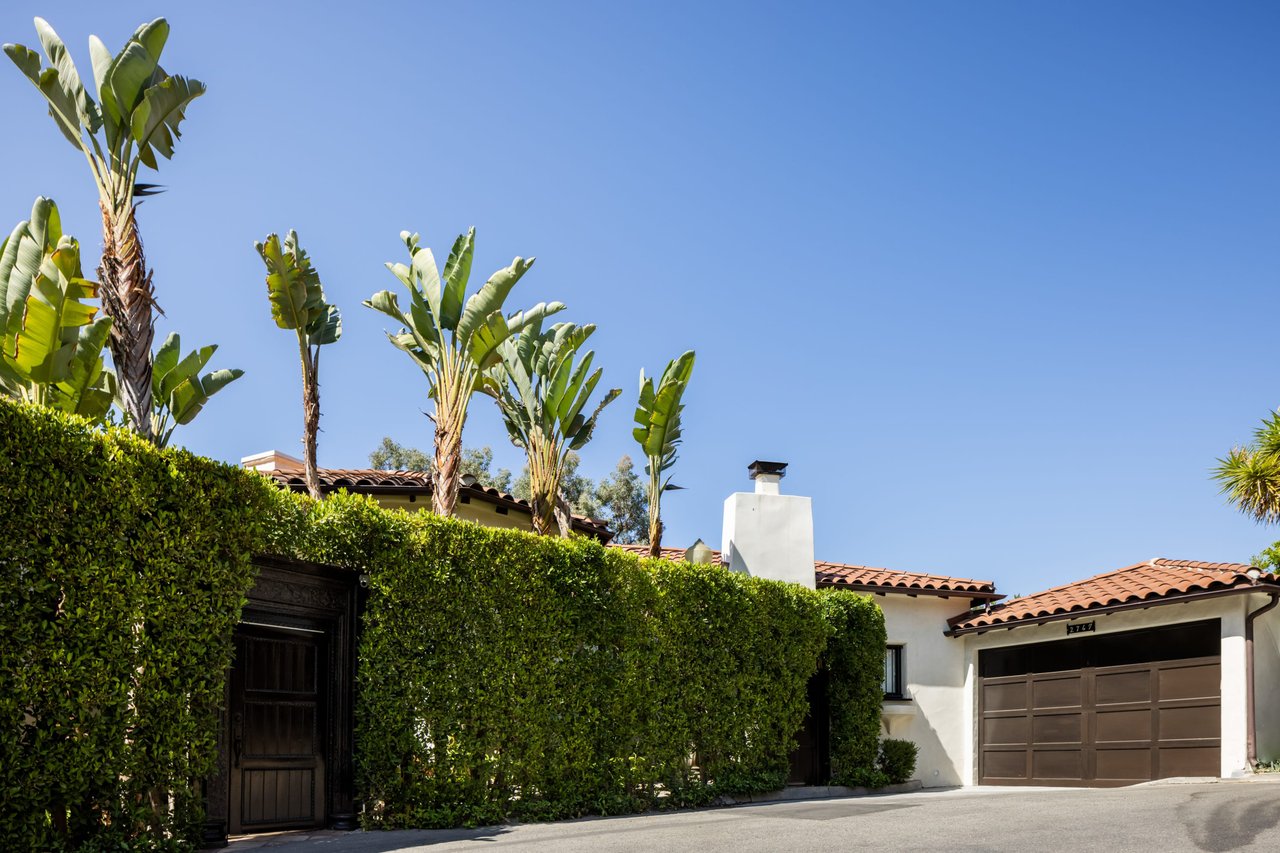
934, 675
1229, 609
1266, 679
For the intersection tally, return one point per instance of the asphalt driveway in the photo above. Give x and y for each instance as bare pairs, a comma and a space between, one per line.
1156, 818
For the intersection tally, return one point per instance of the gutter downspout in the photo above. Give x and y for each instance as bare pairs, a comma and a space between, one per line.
1248, 677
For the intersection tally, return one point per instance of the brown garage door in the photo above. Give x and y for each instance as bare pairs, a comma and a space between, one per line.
1107, 720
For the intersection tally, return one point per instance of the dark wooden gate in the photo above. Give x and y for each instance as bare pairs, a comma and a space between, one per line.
285, 745
811, 760
278, 743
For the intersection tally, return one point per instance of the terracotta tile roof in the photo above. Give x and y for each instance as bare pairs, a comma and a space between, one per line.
869, 579
874, 579
361, 480
674, 554
1157, 580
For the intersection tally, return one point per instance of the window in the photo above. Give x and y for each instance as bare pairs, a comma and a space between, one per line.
893, 680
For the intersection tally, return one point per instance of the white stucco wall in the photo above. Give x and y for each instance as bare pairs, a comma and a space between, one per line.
933, 669
1229, 609
1266, 679
769, 536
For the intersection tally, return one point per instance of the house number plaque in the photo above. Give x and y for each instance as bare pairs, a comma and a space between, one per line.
1080, 628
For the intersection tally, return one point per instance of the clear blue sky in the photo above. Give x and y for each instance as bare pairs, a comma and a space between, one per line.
995, 278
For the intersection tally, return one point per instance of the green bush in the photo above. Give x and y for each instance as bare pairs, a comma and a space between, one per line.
898, 759
502, 674
855, 667
122, 572
499, 674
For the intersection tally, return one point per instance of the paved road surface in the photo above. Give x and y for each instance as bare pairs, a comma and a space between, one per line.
1158, 818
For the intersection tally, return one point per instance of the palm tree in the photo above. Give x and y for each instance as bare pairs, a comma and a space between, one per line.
541, 393
1250, 476
51, 342
454, 342
298, 303
658, 432
136, 116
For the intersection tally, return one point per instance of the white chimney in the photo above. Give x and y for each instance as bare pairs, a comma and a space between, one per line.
768, 534
271, 460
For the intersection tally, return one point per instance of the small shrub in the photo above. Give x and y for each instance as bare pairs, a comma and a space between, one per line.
898, 759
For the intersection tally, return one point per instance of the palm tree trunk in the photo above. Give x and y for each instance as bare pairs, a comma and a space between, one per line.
544, 485
655, 508
310, 414
453, 391
128, 298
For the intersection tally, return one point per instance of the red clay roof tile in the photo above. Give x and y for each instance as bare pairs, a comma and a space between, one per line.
869, 579
1155, 580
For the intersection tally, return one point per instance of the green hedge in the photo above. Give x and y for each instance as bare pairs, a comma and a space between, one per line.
855, 665
499, 675
503, 674
122, 572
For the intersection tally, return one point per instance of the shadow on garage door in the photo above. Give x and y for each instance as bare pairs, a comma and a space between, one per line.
1115, 709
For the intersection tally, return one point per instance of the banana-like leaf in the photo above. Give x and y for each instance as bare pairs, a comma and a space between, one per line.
179, 391
488, 299
657, 415
457, 272
86, 110
50, 342
155, 123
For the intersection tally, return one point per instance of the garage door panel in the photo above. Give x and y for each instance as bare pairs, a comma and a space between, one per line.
1005, 730
1056, 764
1113, 726
1114, 688
1005, 696
1057, 693
1005, 765
1189, 761
1123, 765
1189, 723
1190, 682
1057, 728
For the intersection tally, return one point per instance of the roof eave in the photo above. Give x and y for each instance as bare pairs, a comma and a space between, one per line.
911, 591
1142, 604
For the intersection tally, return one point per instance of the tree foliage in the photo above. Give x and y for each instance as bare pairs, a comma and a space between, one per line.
178, 391
1250, 476
51, 339
454, 339
136, 116
390, 455
542, 386
298, 303
658, 432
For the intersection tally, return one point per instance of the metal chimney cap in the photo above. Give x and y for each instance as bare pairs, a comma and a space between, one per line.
761, 467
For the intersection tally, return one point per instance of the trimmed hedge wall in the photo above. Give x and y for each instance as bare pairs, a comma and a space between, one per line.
500, 674
855, 664
122, 573
507, 675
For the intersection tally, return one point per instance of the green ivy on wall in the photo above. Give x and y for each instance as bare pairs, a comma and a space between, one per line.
855, 665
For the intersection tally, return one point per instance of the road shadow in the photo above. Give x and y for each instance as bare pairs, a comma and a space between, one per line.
1232, 824
359, 841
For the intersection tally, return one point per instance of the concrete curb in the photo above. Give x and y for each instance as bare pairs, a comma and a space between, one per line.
817, 792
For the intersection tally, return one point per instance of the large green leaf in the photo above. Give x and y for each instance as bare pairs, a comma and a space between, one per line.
293, 285
179, 391
657, 415
155, 123
457, 271
489, 299
86, 110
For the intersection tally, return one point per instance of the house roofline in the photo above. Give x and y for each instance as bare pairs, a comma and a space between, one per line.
1143, 604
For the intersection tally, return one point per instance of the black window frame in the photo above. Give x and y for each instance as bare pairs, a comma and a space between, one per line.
895, 652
